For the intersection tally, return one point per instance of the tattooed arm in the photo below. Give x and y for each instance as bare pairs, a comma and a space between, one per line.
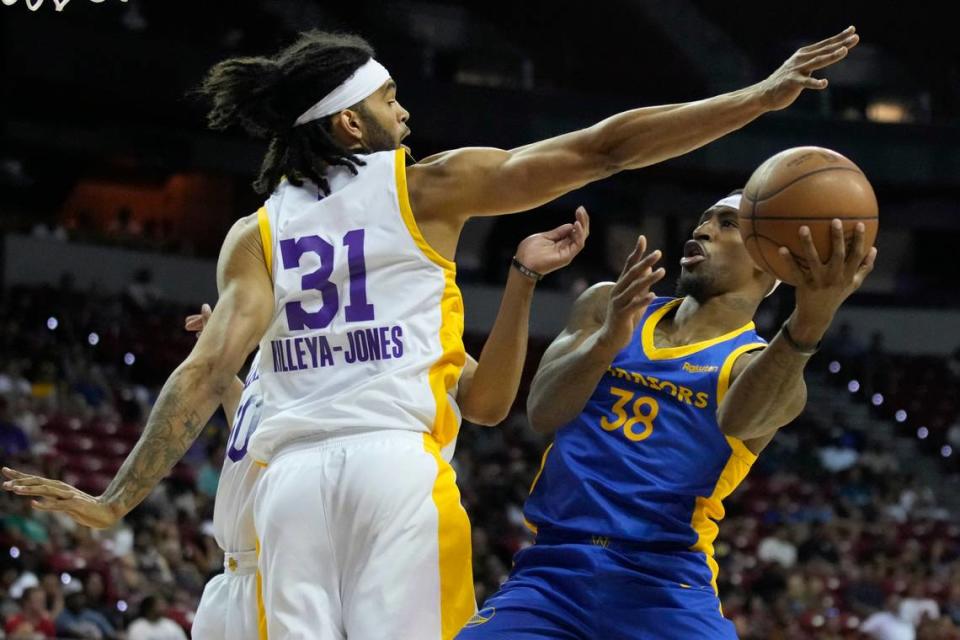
188, 398
768, 390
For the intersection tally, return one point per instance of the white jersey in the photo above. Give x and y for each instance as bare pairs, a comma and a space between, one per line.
233, 507
368, 324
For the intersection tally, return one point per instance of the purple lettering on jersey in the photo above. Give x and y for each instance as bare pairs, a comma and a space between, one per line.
248, 416
349, 354
292, 251
312, 348
298, 347
382, 342
326, 355
362, 348
373, 343
359, 310
396, 333
290, 367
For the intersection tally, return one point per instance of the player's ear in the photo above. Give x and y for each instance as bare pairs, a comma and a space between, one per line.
347, 124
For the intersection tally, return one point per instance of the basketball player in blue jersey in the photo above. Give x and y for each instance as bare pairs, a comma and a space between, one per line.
345, 278
658, 408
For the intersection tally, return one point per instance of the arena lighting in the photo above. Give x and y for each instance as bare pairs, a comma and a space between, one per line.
887, 110
52, 323
834, 367
853, 386
121, 605
922, 433
14, 552
946, 451
93, 339
129, 358
900, 415
877, 399
66, 578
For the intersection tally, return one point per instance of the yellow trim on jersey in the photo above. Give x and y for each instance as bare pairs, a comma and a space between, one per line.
445, 372
723, 381
667, 353
458, 601
403, 198
709, 511
261, 610
543, 463
263, 221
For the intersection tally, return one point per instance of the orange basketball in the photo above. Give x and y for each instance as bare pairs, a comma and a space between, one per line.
803, 186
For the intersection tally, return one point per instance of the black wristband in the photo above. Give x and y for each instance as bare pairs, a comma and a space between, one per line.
530, 273
802, 349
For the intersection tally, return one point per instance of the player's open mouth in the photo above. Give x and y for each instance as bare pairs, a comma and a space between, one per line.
693, 253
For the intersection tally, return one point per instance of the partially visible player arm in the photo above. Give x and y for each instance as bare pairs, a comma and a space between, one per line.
189, 397
484, 181
602, 323
231, 397
768, 389
488, 390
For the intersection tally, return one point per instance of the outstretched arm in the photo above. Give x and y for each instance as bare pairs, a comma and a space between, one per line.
602, 322
189, 397
768, 389
488, 388
483, 181
231, 396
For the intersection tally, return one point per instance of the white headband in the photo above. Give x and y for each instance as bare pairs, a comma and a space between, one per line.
734, 203
730, 201
360, 85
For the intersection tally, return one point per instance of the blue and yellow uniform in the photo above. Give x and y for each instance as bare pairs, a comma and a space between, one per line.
626, 503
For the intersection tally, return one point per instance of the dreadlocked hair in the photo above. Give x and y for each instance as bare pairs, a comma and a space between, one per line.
265, 95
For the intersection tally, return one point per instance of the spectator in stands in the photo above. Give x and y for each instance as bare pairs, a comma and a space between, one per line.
844, 345
80, 621
152, 625
778, 548
13, 440
887, 624
24, 526
33, 622
918, 605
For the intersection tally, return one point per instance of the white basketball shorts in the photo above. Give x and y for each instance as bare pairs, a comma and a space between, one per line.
363, 537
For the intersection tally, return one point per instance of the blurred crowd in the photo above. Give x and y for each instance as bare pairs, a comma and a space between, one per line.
829, 536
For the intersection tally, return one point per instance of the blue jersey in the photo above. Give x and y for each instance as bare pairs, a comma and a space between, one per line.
645, 464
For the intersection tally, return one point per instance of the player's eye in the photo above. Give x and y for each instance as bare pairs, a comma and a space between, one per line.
728, 223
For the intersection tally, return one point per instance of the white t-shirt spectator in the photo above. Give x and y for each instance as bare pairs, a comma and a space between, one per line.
162, 629
912, 609
774, 549
883, 625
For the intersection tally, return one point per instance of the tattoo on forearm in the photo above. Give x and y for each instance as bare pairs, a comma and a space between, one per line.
172, 427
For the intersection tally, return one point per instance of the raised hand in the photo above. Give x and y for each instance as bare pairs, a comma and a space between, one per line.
198, 321
554, 249
630, 295
823, 286
783, 86
54, 495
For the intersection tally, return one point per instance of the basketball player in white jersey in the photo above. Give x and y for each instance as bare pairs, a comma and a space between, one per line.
229, 607
345, 279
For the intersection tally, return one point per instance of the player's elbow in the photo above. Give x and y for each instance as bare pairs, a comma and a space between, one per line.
541, 418
486, 415
208, 372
